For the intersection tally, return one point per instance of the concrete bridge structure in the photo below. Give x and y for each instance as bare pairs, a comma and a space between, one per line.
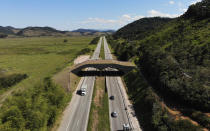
98, 67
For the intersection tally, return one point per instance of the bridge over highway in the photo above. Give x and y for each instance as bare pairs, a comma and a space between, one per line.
121, 66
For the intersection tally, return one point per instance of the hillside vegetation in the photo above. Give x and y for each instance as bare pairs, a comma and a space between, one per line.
140, 28
173, 57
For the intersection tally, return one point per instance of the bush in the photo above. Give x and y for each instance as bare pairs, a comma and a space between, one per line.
84, 51
94, 41
3, 35
7, 81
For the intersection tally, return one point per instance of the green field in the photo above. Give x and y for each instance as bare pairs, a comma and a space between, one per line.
38, 57
36, 103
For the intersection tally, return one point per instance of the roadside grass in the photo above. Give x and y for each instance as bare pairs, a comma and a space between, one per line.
112, 52
62, 78
99, 112
38, 57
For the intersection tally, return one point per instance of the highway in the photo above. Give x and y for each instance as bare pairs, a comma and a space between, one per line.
114, 89
77, 113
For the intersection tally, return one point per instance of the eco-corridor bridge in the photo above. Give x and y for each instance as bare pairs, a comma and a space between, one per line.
101, 66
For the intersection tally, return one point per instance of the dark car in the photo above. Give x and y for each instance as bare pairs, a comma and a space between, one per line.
112, 97
114, 114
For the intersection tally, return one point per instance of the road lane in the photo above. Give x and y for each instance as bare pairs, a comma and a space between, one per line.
117, 104
115, 87
77, 113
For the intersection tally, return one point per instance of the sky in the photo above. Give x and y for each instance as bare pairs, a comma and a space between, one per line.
89, 14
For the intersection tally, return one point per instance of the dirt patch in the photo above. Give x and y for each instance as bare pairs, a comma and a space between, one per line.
179, 116
208, 114
97, 102
99, 92
66, 79
95, 121
62, 78
81, 59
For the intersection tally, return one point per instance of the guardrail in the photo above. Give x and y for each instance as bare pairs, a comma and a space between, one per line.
130, 123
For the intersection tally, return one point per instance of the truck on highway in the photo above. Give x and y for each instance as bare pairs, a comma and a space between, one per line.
83, 91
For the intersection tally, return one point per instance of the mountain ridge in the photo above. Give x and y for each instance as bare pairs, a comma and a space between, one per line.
36, 31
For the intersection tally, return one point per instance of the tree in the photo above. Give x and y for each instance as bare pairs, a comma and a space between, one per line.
14, 116
3, 35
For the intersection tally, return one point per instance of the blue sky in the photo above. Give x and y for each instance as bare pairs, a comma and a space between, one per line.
94, 14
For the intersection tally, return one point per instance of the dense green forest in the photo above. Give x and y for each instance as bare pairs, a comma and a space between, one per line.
140, 28
35, 109
173, 56
151, 114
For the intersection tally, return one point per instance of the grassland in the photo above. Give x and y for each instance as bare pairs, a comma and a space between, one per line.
38, 57
37, 103
99, 112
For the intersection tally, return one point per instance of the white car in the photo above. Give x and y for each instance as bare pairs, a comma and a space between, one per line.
126, 127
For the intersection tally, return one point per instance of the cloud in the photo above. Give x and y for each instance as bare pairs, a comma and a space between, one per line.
171, 2
184, 10
195, 1
121, 20
153, 13
111, 23
98, 20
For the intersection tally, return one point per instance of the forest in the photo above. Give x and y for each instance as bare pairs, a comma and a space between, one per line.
173, 56
35, 109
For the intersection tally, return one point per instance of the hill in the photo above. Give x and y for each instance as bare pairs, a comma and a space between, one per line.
85, 30
93, 31
48, 31
173, 72
141, 28
6, 30
40, 31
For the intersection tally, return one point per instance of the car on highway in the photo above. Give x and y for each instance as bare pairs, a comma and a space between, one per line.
83, 92
126, 127
114, 114
111, 97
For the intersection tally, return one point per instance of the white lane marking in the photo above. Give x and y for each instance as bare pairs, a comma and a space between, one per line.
85, 79
68, 126
77, 122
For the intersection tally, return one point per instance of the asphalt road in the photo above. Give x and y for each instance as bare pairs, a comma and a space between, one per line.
77, 114
117, 104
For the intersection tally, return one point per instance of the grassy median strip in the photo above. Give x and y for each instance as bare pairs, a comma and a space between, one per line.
99, 112
102, 55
